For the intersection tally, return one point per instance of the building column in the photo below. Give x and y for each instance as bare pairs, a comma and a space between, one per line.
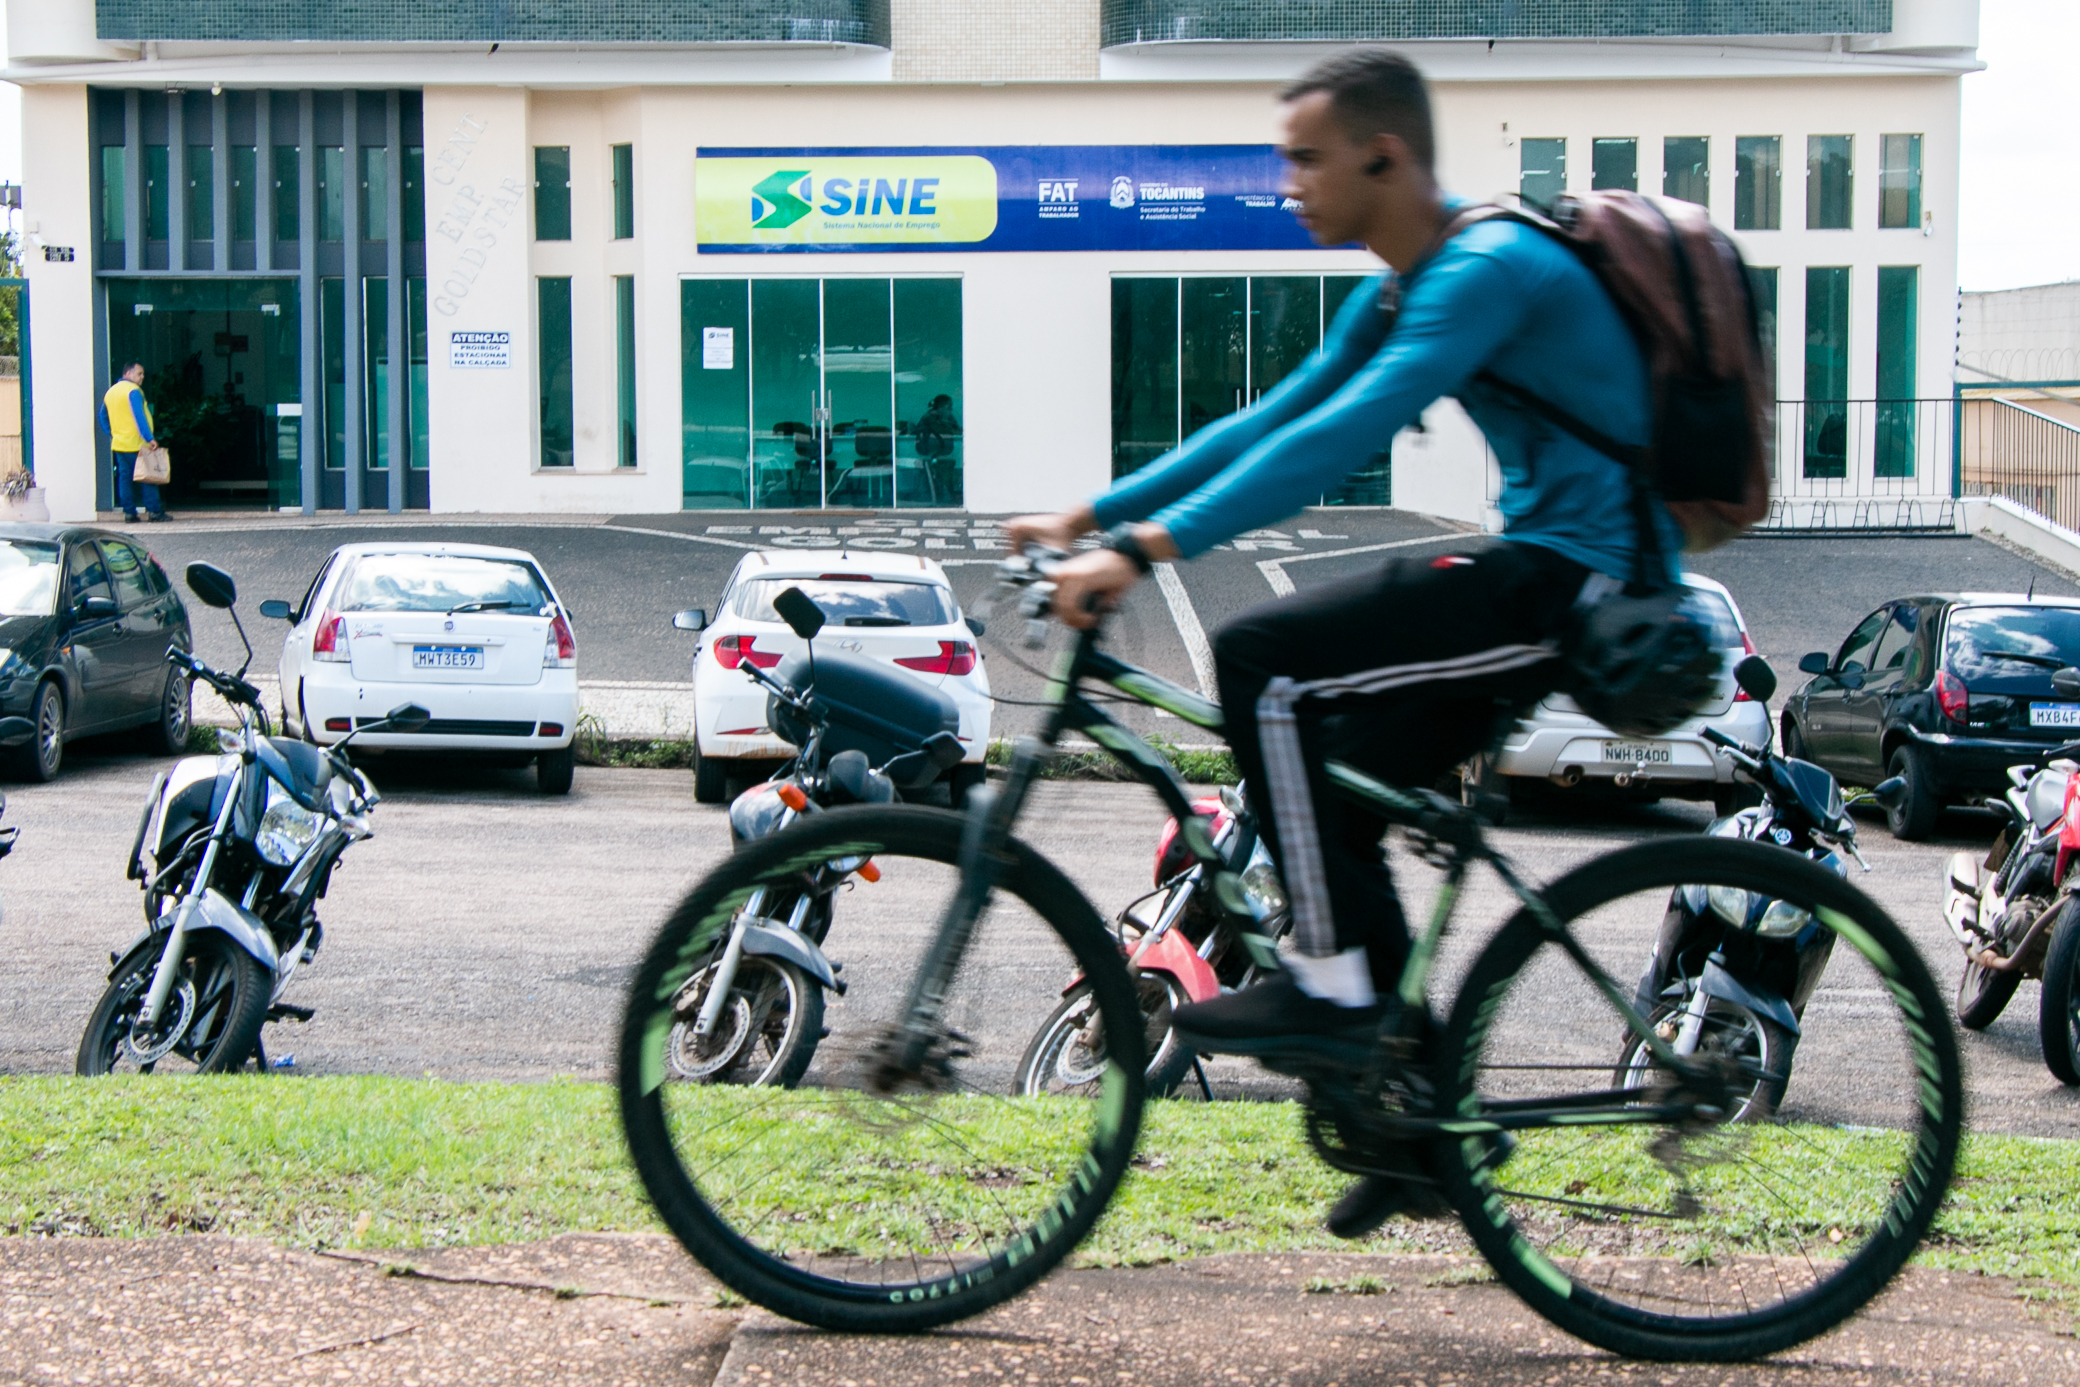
400, 342
312, 455
353, 339
64, 380
220, 182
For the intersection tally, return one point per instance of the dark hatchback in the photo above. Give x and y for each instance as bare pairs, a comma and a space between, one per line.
1946, 691
85, 619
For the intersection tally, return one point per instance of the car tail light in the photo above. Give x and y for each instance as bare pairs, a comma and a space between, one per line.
954, 657
560, 650
731, 651
1951, 696
549, 729
331, 641
339, 724
1747, 643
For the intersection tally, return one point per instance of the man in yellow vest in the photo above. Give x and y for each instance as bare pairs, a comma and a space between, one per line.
127, 420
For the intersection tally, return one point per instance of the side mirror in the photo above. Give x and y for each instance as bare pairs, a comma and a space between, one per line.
278, 610
96, 608
801, 614
975, 625
212, 584
1890, 792
1815, 663
1850, 678
695, 620
1756, 678
2067, 682
407, 717
15, 731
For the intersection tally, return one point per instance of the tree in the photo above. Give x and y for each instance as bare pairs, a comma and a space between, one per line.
10, 299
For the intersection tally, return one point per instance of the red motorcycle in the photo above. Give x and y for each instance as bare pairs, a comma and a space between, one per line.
1180, 946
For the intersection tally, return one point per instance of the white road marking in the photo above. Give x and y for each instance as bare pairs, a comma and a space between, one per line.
1274, 570
1188, 628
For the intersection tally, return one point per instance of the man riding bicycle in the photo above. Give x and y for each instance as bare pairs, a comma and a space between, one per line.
1406, 671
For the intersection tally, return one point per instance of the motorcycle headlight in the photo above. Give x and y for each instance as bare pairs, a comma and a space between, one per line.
1730, 903
287, 830
1782, 920
1263, 891
756, 814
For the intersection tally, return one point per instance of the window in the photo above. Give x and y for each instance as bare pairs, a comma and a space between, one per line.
552, 192
288, 208
1827, 183
873, 602
245, 190
375, 193
28, 577
85, 576
1686, 168
1762, 283
202, 192
414, 192
1898, 304
553, 369
1890, 653
1758, 183
624, 191
625, 367
1899, 181
332, 192
1614, 164
440, 583
1827, 371
157, 192
799, 392
126, 571
112, 211
1542, 166
1855, 651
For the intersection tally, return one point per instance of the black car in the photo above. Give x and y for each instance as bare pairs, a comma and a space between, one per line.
1946, 691
85, 619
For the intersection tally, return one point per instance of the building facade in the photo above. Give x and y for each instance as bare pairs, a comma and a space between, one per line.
797, 254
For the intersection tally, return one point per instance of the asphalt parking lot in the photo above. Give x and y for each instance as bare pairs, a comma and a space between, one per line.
484, 932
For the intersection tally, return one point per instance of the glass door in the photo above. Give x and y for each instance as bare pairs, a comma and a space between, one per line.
1212, 350
858, 393
789, 416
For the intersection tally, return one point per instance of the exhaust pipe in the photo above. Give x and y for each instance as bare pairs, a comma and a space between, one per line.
1570, 776
1622, 779
1961, 901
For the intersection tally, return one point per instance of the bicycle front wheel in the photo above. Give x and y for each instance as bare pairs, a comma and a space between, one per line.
1778, 1204
839, 1205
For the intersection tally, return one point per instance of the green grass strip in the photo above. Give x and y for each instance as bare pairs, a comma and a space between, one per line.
380, 1162
1197, 765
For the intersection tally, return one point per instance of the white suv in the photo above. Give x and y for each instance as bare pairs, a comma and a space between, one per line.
1561, 744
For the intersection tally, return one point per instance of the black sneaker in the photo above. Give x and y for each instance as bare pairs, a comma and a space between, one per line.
1276, 1018
131, 517
156, 516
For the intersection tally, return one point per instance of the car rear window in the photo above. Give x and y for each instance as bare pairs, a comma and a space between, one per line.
2011, 648
28, 578
852, 601
442, 583
1712, 609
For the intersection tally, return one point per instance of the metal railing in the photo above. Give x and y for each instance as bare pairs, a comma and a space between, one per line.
2017, 449
1863, 464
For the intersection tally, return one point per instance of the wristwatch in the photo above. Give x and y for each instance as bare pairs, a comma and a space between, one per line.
1120, 539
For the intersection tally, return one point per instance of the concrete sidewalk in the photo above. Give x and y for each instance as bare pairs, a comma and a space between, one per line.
602, 1310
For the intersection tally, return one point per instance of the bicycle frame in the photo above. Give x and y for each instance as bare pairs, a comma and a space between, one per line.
1452, 830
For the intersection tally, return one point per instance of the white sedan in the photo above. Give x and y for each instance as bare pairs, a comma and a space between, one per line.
475, 635
896, 609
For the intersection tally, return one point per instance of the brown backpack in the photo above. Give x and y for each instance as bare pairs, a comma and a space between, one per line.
1682, 288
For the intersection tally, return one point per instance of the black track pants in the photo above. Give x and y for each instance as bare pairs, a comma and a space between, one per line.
1402, 673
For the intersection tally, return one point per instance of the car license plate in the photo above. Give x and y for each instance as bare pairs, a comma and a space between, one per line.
2054, 715
1639, 753
447, 657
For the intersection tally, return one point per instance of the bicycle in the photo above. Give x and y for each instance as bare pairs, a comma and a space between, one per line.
899, 1189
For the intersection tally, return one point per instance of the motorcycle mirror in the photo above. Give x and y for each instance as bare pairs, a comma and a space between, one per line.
1756, 678
15, 731
212, 584
2067, 682
1814, 663
801, 614
975, 625
1890, 792
694, 620
275, 609
407, 717
945, 750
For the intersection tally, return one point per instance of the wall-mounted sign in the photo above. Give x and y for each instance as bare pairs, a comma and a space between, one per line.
1040, 198
480, 351
61, 255
718, 349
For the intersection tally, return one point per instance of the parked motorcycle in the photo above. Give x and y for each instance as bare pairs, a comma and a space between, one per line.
2016, 913
233, 852
1731, 972
1181, 947
753, 1014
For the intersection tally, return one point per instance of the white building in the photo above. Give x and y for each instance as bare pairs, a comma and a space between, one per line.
1057, 214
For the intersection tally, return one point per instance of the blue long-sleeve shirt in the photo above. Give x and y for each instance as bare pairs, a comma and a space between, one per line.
137, 412
1500, 296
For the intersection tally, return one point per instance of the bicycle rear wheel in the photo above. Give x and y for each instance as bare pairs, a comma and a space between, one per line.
834, 1206
1718, 1240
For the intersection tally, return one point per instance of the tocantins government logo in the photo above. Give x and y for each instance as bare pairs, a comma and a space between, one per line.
783, 199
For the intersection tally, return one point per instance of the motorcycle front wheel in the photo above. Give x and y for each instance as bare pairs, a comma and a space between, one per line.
1983, 994
211, 1021
1068, 1052
2058, 1014
765, 1036
1760, 1047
